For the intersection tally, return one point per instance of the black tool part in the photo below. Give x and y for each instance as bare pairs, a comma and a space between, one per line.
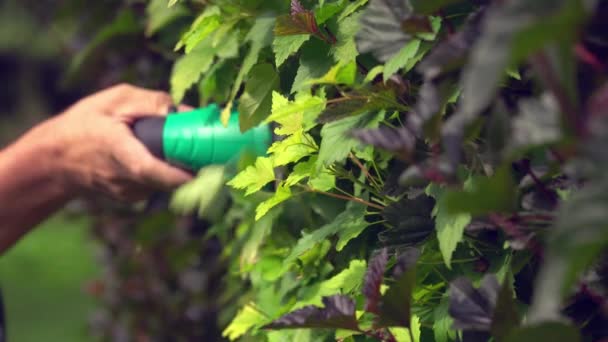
149, 130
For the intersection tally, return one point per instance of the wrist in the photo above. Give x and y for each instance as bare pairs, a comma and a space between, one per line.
42, 150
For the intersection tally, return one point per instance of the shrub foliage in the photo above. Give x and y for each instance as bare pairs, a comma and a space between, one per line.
437, 172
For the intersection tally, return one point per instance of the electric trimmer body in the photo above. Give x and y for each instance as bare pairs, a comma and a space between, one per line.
194, 139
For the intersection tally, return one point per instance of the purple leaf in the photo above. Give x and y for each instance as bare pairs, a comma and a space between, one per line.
300, 21
373, 280
338, 313
472, 308
396, 303
296, 8
387, 138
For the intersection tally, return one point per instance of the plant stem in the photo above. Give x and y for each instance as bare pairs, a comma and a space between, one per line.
347, 198
363, 169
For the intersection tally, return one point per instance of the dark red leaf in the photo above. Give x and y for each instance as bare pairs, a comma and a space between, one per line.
387, 138
472, 308
395, 306
417, 24
373, 280
338, 313
300, 21
296, 7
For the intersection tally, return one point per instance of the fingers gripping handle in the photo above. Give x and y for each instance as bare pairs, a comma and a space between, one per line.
192, 140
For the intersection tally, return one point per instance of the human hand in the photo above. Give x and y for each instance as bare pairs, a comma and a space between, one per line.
95, 151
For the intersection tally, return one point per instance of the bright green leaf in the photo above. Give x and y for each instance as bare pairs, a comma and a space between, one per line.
282, 194
449, 226
254, 177
246, 319
401, 58
200, 194
305, 105
403, 335
345, 282
341, 73
351, 8
293, 148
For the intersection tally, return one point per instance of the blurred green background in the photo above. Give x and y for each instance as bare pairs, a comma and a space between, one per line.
43, 282
51, 54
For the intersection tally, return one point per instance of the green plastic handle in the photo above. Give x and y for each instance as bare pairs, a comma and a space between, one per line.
197, 138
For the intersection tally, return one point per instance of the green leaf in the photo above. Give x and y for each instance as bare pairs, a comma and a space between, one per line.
351, 219
256, 102
401, 59
301, 171
285, 46
328, 11
403, 335
345, 49
254, 177
314, 63
200, 194
336, 141
347, 281
496, 193
293, 148
172, 3
159, 15
353, 228
303, 109
351, 8
246, 319
505, 317
282, 194
258, 231
548, 331
188, 69
449, 226
442, 324
341, 73
323, 181
206, 24
259, 37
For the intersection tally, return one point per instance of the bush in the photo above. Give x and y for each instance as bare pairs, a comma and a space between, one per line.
437, 173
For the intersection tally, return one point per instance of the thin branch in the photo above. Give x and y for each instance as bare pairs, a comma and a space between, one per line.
347, 198
363, 169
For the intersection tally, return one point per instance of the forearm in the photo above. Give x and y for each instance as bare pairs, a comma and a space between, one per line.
31, 186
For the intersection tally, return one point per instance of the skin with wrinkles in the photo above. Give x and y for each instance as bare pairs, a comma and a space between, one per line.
89, 149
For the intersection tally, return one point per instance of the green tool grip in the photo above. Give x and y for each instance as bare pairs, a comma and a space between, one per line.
194, 139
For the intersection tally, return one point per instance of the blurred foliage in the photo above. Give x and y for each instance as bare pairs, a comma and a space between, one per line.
437, 173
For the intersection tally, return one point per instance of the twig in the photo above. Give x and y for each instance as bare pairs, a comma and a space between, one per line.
363, 169
347, 198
